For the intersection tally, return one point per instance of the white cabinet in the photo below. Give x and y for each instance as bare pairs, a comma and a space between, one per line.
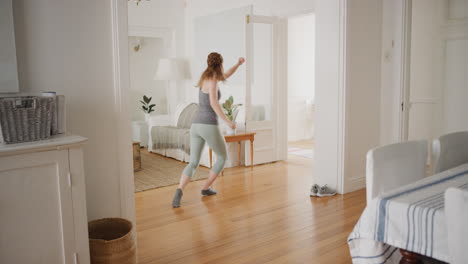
42, 202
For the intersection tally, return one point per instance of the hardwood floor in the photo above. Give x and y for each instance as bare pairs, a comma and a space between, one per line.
263, 216
304, 144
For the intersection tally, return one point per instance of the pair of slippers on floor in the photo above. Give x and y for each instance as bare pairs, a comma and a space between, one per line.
324, 191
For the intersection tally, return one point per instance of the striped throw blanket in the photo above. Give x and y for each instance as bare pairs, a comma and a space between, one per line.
410, 218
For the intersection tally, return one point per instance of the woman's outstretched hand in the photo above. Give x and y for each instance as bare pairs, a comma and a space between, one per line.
232, 125
234, 68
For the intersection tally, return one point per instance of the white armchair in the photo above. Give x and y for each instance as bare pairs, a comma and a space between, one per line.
176, 153
395, 165
163, 120
449, 151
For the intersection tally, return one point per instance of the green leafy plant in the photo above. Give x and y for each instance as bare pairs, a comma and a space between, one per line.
230, 109
146, 104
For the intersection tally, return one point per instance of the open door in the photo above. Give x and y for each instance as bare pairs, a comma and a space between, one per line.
255, 86
262, 95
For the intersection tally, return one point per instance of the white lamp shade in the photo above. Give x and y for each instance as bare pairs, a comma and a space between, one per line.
172, 69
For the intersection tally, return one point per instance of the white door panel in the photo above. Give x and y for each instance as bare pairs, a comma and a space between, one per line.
265, 148
421, 116
262, 87
425, 73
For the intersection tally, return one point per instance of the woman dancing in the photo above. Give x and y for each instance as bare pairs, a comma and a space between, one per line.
205, 125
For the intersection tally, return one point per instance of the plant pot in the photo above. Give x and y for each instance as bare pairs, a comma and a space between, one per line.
147, 117
230, 131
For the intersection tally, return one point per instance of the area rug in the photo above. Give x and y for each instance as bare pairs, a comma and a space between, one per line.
306, 153
158, 171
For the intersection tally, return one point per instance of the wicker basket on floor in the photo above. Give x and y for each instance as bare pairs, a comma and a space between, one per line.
112, 240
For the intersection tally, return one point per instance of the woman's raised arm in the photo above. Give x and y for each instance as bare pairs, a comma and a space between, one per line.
233, 69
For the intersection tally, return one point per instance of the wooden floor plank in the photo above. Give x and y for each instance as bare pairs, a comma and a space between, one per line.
259, 216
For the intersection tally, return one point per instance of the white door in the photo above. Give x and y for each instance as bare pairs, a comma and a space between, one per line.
425, 72
36, 209
262, 100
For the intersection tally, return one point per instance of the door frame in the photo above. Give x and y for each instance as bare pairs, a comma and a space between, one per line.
285, 67
405, 71
121, 80
331, 96
119, 18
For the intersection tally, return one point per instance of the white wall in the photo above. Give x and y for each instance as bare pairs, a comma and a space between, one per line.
261, 7
301, 76
364, 20
66, 46
455, 93
457, 9
197, 8
163, 15
143, 64
361, 97
8, 67
328, 95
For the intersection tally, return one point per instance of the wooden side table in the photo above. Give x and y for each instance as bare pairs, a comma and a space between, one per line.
238, 138
136, 156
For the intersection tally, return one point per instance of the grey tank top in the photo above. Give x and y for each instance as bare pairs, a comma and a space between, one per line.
205, 113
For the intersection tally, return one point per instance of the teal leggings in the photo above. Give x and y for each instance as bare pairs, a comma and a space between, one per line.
199, 134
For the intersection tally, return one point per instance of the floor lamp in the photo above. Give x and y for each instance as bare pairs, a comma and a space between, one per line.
172, 69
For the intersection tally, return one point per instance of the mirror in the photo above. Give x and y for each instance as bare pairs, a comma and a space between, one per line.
8, 65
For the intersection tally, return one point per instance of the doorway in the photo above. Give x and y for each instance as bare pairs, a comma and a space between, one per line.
331, 20
301, 85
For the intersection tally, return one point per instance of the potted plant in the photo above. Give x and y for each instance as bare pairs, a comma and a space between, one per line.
231, 110
146, 106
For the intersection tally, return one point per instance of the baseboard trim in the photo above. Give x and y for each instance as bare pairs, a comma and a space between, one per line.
355, 184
